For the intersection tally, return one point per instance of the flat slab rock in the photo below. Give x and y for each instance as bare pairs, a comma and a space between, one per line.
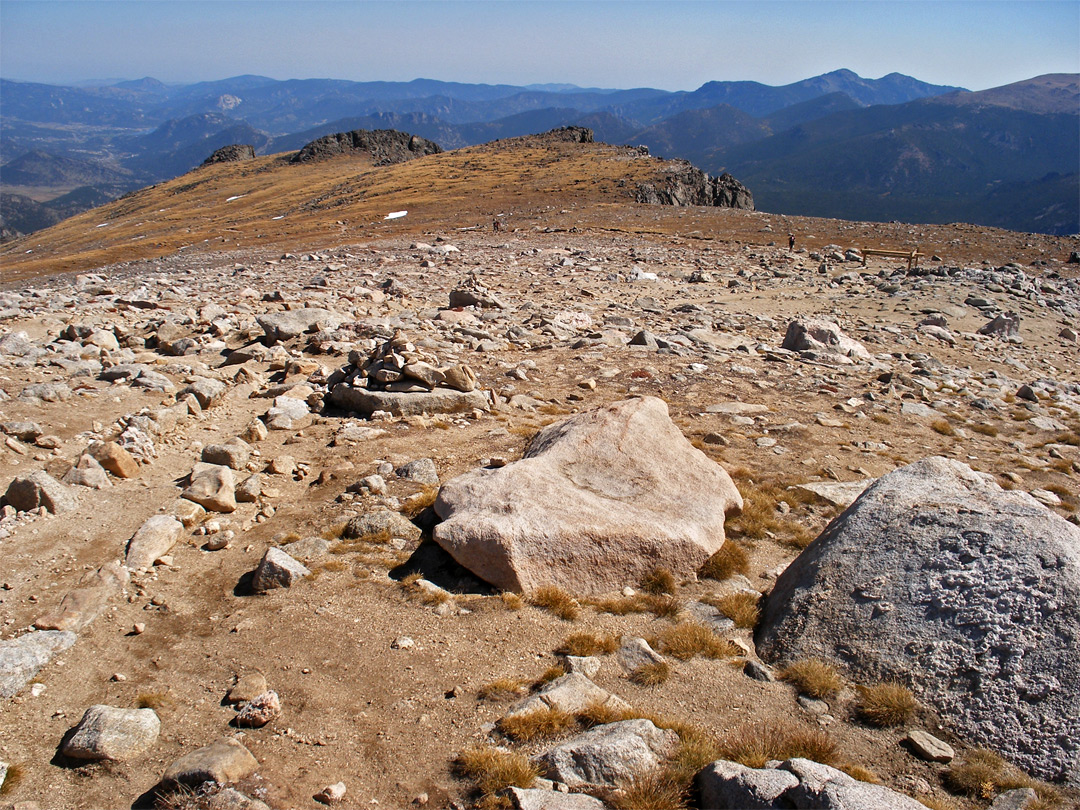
21, 658
939, 577
795, 783
536, 799
440, 400
597, 501
81, 606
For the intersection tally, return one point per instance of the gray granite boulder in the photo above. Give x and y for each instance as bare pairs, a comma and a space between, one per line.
277, 570
106, 732
939, 578
797, 784
440, 400
610, 754
153, 539
224, 761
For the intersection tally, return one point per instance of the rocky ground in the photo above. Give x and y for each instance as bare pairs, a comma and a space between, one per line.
155, 366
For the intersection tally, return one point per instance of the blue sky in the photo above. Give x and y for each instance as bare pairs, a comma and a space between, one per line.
671, 45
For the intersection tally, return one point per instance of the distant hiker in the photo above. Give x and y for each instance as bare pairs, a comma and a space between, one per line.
496, 225
791, 241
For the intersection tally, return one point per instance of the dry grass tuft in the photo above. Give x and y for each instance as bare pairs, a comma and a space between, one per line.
985, 430
585, 644
697, 748
753, 745
548, 675
541, 724
860, 772
886, 705
653, 673
742, 607
503, 689
661, 606
655, 790
158, 701
1069, 438
982, 774
731, 559
555, 600
493, 770
943, 427
600, 714
16, 773
813, 677
332, 533
939, 803
416, 503
658, 581
687, 639
512, 601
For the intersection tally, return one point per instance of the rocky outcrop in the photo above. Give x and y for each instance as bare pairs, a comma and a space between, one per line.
685, 184
598, 500
385, 146
937, 577
233, 153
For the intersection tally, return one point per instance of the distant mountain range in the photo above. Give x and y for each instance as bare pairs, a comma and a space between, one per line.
834, 145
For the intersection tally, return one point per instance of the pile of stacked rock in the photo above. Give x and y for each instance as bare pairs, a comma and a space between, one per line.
400, 379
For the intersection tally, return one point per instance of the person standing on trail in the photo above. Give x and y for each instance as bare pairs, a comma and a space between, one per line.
791, 241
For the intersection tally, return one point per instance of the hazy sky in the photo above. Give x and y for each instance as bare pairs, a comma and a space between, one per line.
670, 45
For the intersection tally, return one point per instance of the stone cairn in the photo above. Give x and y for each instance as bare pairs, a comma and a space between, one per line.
398, 366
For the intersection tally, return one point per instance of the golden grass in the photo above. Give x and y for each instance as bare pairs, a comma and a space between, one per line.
502, 689
512, 601
585, 644
549, 675
753, 745
761, 518
492, 769
542, 724
687, 639
658, 581
662, 606
813, 677
416, 503
16, 774
985, 429
600, 714
982, 774
431, 597
655, 790
158, 701
742, 607
886, 705
1069, 438
860, 772
556, 601
943, 427
653, 673
939, 803
731, 559
332, 533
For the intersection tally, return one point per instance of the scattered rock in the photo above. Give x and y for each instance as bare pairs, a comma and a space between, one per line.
260, 710
85, 603
22, 657
331, 794
537, 799
277, 570
109, 733
27, 492
224, 762
153, 539
247, 688
212, 487
794, 783
926, 746
380, 526
570, 693
609, 754
822, 336
598, 500
115, 459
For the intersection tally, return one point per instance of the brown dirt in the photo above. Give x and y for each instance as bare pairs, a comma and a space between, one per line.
384, 720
